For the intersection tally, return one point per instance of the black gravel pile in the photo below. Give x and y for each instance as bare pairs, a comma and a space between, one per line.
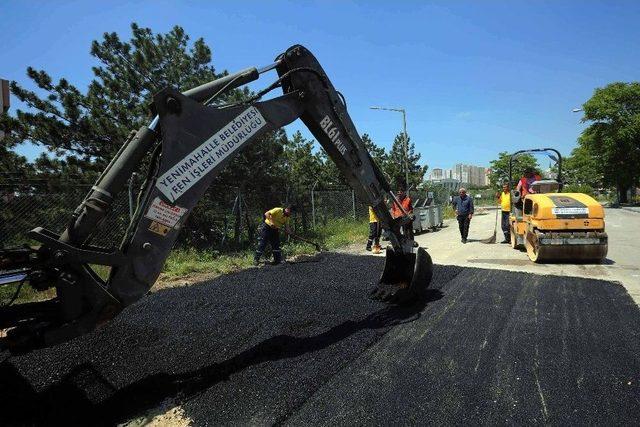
246, 347
302, 344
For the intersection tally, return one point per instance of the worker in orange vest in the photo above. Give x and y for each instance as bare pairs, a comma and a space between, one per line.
397, 212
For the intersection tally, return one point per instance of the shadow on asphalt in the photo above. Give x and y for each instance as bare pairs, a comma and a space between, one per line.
151, 391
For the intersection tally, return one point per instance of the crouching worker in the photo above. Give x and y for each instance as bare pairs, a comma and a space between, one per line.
374, 232
269, 232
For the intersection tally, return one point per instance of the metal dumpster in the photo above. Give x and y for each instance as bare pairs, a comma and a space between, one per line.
425, 218
438, 216
417, 223
432, 217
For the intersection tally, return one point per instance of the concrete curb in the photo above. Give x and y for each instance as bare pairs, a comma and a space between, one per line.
631, 209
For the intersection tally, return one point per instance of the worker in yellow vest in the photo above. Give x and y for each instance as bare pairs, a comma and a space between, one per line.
504, 198
269, 232
374, 232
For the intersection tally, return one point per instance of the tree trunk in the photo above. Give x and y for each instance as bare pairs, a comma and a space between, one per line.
622, 194
303, 212
237, 227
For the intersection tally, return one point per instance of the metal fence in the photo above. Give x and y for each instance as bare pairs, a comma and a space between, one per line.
226, 218
30, 204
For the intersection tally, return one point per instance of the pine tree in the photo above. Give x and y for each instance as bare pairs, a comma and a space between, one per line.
84, 129
394, 165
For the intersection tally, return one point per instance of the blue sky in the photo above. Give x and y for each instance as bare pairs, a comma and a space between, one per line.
476, 77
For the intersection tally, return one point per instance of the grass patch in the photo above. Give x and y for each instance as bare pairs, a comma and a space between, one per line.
183, 262
448, 212
27, 294
335, 234
342, 232
102, 271
191, 262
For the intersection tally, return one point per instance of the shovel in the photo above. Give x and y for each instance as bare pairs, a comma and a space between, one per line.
311, 242
492, 239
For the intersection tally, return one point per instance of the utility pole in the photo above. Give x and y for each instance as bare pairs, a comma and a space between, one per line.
405, 141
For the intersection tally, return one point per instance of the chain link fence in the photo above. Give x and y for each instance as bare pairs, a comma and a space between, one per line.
225, 219
30, 204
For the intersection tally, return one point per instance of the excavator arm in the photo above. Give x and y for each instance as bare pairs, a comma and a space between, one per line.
190, 140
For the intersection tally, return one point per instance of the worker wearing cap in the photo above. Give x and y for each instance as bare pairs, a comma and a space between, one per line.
374, 232
504, 198
269, 232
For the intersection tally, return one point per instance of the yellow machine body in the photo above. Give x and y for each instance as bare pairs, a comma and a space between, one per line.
560, 226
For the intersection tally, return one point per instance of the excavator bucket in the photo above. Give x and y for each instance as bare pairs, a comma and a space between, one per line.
405, 278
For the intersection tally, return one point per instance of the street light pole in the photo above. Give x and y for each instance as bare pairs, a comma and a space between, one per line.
406, 148
405, 141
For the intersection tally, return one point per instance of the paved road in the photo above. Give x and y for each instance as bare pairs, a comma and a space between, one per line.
622, 263
301, 344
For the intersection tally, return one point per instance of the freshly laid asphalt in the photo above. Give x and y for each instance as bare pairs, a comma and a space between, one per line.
301, 344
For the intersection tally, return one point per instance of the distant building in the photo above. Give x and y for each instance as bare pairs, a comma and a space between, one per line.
476, 176
438, 173
449, 183
471, 175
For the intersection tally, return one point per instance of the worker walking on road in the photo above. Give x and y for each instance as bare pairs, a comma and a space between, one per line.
269, 232
463, 205
504, 198
374, 232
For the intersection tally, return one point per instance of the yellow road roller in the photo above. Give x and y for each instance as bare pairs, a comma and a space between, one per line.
554, 226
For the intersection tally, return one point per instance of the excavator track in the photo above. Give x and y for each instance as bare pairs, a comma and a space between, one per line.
566, 246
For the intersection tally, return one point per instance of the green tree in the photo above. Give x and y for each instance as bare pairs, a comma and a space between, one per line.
393, 165
331, 175
81, 129
91, 126
301, 164
612, 140
500, 167
378, 154
581, 168
302, 168
13, 167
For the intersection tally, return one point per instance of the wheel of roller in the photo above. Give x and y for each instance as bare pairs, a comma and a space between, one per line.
533, 247
565, 253
514, 238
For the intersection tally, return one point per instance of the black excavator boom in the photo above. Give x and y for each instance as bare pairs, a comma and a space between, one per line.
190, 140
